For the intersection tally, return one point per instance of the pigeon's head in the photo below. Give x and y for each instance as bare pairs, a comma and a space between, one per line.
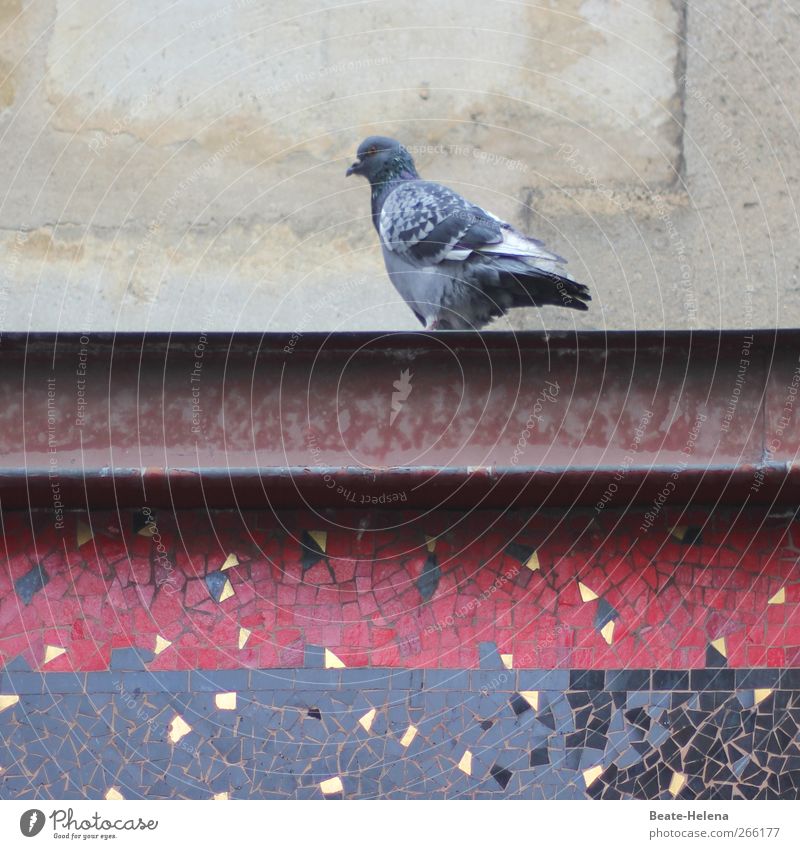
379, 159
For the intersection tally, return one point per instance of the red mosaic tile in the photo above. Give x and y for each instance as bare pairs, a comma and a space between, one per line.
363, 598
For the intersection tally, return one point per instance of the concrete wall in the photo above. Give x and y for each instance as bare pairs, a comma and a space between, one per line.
182, 166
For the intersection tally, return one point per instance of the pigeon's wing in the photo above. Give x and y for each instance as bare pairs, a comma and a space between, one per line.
426, 223
516, 244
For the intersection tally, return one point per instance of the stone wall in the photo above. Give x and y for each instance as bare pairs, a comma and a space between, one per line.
183, 167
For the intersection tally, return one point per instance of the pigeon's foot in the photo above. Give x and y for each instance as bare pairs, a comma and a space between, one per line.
449, 321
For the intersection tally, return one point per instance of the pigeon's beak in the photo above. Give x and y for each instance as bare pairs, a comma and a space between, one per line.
353, 169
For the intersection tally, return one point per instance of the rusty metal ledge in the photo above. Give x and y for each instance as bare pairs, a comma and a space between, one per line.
400, 420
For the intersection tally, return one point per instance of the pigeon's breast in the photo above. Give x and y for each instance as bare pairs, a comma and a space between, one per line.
422, 288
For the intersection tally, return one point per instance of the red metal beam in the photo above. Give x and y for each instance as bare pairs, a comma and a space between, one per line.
483, 419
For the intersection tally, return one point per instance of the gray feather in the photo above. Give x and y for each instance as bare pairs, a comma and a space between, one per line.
424, 222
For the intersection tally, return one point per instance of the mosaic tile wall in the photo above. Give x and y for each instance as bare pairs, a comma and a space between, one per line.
386, 654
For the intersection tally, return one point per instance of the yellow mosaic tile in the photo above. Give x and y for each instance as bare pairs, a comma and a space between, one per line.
760, 695
533, 562
113, 795
227, 591
225, 701
779, 597
178, 729
507, 660
408, 738
52, 652
222, 797
332, 661
465, 764
162, 644
84, 533
7, 702
719, 645
430, 544
608, 632
592, 774
366, 721
679, 532
586, 593
244, 636
677, 783
320, 538
531, 697
231, 561
332, 785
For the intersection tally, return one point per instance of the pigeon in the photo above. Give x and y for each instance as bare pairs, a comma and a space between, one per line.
456, 265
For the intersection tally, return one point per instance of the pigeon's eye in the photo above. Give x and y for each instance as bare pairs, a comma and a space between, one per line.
371, 151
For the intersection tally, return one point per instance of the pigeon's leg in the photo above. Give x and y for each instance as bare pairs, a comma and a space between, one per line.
440, 323
445, 324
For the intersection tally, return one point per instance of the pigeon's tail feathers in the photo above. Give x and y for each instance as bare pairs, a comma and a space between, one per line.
540, 284
530, 273
541, 288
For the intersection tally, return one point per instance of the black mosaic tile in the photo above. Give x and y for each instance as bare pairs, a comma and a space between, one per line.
282, 740
519, 704
521, 553
215, 582
692, 536
141, 519
670, 679
604, 614
790, 679
715, 658
311, 551
428, 581
539, 757
587, 679
546, 718
712, 679
501, 775
639, 718
627, 679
